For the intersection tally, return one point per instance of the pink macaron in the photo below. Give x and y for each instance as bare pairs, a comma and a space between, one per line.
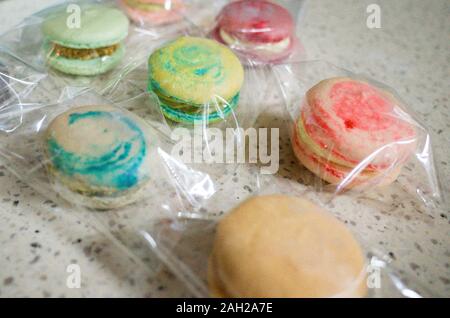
353, 121
154, 12
259, 29
352, 132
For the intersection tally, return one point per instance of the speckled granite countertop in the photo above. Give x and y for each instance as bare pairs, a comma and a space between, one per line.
410, 52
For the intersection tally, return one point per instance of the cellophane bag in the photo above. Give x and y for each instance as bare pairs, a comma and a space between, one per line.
130, 178
17, 81
261, 32
184, 244
74, 69
295, 7
167, 16
355, 133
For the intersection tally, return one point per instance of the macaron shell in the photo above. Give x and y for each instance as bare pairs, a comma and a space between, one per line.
100, 26
279, 246
195, 71
153, 17
257, 21
357, 120
89, 67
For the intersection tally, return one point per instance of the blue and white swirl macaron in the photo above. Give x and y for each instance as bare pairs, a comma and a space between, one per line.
99, 155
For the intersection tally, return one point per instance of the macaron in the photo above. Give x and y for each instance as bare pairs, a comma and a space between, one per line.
351, 130
93, 47
260, 30
154, 12
98, 156
195, 79
279, 246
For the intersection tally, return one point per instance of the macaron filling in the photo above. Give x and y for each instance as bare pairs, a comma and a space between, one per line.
83, 54
274, 47
83, 66
179, 110
215, 111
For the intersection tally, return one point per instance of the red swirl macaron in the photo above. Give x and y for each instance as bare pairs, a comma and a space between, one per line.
351, 132
154, 12
258, 29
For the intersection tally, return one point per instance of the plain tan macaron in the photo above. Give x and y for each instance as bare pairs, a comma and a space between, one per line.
282, 246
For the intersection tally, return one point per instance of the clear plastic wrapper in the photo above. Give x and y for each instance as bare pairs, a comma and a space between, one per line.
88, 154
82, 45
262, 32
185, 245
355, 133
17, 81
154, 12
295, 7
162, 16
88, 173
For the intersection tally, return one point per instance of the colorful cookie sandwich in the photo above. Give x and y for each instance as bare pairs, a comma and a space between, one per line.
350, 132
195, 80
261, 30
92, 47
154, 12
279, 246
98, 156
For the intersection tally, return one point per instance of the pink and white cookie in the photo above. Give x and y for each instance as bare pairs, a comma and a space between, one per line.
259, 29
350, 130
154, 12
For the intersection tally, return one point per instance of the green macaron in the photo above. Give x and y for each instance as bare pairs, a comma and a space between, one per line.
195, 79
88, 44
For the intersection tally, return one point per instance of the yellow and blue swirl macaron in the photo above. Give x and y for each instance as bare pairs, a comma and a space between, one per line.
90, 47
195, 79
100, 155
